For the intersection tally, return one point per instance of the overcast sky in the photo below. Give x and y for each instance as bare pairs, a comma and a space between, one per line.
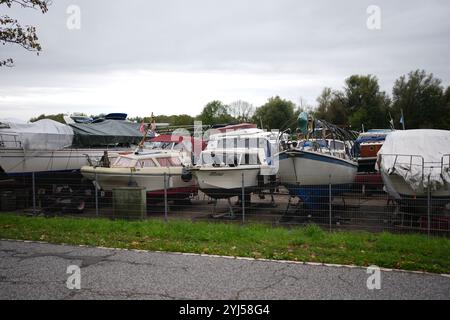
173, 56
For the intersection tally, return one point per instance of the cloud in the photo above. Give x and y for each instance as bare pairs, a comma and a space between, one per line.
174, 56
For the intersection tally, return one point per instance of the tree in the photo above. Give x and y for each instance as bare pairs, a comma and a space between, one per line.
215, 112
422, 100
12, 32
241, 110
331, 107
55, 117
276, 114
365, 103
446, 118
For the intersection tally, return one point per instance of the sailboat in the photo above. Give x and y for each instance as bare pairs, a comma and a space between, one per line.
320, 158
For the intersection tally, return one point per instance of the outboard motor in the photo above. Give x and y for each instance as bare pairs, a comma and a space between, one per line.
186, 174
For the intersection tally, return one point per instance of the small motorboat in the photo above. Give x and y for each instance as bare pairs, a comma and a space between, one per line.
310, 166
414, 165
237, 159
367, 146
158, 166
156, 171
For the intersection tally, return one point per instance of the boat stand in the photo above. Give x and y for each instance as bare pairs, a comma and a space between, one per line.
228, 215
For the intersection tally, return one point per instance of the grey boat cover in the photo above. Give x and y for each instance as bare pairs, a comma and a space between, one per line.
421, 157
106, 133
44, 134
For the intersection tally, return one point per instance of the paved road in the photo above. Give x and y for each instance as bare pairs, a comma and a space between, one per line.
38, 271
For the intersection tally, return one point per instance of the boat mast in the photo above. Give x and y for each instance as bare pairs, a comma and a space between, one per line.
150, 127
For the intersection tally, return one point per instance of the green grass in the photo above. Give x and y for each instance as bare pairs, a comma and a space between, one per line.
409, 252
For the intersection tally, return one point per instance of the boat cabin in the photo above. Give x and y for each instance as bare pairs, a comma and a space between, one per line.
232, 158
148, 160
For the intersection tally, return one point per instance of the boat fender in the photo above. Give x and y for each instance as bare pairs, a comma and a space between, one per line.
186, 175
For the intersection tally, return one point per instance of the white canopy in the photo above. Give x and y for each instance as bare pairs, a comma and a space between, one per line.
418, 156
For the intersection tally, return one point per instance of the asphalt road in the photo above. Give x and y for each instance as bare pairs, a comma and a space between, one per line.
38, 271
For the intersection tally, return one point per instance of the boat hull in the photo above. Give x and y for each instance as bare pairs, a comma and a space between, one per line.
309, 175
152, 179
401, 191
18, 162
226, 182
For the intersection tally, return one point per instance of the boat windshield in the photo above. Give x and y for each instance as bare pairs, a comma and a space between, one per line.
319, 144
229, 159
159, 145
337, 145
234, 142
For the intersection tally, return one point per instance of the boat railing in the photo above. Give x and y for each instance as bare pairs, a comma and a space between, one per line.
9, 140
407, 161
445, 163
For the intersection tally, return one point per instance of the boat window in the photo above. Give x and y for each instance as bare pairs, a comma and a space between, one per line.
227, 143
147, 163
164, 162
123, 162
175, 161
250, 159
212, 158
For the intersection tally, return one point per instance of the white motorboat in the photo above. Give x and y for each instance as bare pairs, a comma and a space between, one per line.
153, 170
232, 160
414, 164
158, 167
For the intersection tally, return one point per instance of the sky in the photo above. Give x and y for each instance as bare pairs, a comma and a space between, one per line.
174, 56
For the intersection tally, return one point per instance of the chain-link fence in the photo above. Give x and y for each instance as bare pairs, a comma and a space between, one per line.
362, 205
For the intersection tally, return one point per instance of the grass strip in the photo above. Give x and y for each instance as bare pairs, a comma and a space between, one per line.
310, 243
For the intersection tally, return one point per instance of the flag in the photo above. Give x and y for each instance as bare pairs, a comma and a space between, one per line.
142, 127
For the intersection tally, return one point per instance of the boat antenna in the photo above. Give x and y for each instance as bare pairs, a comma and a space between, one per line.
391, 122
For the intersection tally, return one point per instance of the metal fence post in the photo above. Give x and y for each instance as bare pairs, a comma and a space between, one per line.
96, 195
329, 201
429, 206
33, 182
165, 197
243, 199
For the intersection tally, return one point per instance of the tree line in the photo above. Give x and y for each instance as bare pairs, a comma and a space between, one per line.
419, 97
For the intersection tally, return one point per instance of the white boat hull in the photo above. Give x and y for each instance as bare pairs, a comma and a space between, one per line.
226, 182
398, 188
309, 175
312, 169
152, 179
17, 161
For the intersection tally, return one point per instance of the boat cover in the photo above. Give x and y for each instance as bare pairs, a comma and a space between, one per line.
421, 157
42, 135
107, 132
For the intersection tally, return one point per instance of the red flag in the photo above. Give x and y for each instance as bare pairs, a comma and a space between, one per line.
142, 127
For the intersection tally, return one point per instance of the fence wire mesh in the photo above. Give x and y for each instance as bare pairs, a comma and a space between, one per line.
362, 205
